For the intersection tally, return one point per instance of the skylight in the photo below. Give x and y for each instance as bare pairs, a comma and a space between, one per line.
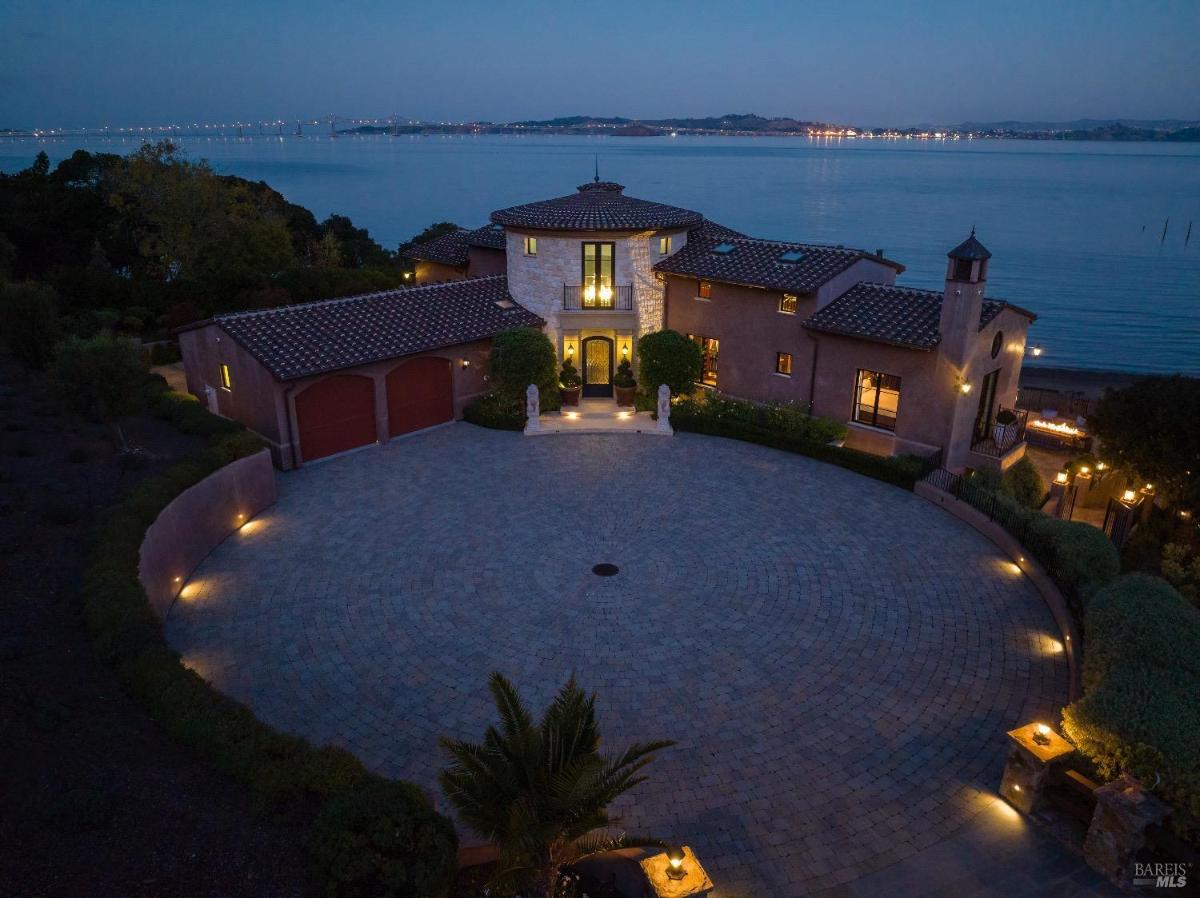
723, 249
792, 255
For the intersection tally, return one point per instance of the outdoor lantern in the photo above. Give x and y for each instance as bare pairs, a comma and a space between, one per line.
964, 387
1149, 487
1084, 469
625, 350
407, 275
466, 363
1060, 477
1037, 350
571, 350
1042, 734
1100, 466
1130, 496
675, 863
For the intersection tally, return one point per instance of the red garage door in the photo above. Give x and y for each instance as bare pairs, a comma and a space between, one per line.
336, 414
420, 394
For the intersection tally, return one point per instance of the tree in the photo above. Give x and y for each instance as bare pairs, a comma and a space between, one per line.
1152, 427
29, 318
521, 357
327, 252
1024, 484
668, 357
435, 230
541, 790
103, 376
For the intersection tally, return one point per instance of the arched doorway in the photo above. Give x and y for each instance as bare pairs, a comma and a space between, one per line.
335, 414
420, 394
597, 366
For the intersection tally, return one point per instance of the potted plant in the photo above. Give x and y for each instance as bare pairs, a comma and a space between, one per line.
570, 383
1005, 430
624, 383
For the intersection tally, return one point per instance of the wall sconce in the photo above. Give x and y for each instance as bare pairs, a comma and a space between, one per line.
625, 350
1060, 477
570, 350
675, 869
466, 363
1035, 351
177, 580
407, 275
964, 387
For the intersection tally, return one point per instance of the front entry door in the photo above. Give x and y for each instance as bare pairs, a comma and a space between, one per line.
597, 366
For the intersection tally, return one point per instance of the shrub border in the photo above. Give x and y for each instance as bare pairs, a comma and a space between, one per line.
279, 769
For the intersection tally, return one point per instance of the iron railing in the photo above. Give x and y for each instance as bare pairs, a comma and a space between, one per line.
590, 298
1072, 404
1001, 438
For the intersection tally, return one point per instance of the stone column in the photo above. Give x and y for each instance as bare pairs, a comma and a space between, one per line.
1124, 810
1035, 749
533, 410
1147, 494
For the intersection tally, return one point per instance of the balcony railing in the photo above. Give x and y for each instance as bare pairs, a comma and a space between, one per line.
1001, 438
590, 298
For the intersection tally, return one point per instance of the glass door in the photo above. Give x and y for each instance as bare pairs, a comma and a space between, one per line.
598, 275
987, 400
597, 366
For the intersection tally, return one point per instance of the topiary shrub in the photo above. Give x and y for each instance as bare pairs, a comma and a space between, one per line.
497, 411
569, 377
624, 377
384, 839
1024, 484
1141, 674
668, 357
522, 357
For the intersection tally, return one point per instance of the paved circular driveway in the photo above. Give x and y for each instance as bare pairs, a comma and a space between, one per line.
837, 659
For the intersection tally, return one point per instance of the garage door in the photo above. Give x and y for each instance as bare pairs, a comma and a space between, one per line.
336, 414
420, 394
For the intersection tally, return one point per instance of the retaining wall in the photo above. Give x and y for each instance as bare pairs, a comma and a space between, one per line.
198, 520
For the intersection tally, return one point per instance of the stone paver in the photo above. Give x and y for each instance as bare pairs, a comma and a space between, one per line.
837, 659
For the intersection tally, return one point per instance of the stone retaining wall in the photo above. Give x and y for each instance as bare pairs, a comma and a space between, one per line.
1023, 559
197, 521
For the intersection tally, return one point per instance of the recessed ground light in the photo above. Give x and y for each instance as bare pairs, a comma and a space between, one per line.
605, 569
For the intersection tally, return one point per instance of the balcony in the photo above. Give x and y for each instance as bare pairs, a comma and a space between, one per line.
590, 298
1003, 438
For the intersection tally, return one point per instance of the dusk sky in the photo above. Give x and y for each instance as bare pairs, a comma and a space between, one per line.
72, 64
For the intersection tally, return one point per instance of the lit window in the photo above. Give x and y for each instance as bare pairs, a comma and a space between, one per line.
783, 363
787, 304
877, 399
710, 348
705, 290
531, 246
664, 246
226, 380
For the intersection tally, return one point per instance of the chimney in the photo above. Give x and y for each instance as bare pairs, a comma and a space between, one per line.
962, 301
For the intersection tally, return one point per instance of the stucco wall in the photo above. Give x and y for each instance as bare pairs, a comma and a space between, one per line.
483, 261
435, 272
197, 521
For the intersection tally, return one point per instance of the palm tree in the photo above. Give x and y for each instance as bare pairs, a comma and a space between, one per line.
541, 791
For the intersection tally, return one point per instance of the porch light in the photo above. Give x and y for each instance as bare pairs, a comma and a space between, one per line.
964, 388
1060, 477
570, 350
466, 363
178, 580
675, 863
1129, 496
625, 350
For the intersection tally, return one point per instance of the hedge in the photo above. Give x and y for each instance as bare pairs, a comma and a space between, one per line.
1141, 676
276, 767
902, 471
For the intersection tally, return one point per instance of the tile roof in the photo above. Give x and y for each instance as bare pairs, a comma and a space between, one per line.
736, 259
312, 338
708, 230
597, 206
454, 248
970, 249
448, 249
901, 316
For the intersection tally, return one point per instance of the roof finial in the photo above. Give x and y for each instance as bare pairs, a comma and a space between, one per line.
596, 179
972, 230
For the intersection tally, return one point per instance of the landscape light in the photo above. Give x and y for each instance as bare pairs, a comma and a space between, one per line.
675, 863
1060, 477
1129, 496
1042, 734
1084, 469
1149, 487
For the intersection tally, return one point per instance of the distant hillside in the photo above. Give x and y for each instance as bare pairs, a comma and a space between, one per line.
1083, 124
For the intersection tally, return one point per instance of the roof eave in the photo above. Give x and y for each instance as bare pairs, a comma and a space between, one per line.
870, 339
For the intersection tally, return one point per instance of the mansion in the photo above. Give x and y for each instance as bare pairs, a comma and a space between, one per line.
909, 371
